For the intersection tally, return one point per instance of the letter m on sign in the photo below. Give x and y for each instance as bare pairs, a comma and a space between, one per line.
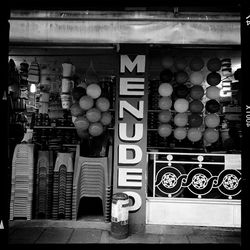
138, 62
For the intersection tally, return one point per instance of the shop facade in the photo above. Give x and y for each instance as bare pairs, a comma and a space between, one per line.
173, 95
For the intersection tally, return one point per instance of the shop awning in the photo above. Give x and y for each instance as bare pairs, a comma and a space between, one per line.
79, 27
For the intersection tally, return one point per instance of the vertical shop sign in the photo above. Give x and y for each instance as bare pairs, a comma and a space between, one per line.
131, 134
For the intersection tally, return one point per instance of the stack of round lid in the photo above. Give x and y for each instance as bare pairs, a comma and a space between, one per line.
50, 183
34, 73
22, 181
62, 191
68, 201
42, 185
62, 186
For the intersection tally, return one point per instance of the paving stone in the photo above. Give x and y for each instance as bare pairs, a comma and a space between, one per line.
229, 240
176, 239
85, 236
25, 235
133, 238
11, 230
202, 239
168, 229
217, 232
55, 235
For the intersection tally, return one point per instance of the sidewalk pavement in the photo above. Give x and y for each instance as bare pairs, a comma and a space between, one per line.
70, 233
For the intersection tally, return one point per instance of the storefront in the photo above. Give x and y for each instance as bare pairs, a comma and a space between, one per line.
146, 103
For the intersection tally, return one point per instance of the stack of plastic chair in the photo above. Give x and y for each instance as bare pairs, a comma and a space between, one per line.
44, 177
62, 186
92, 178
22, 182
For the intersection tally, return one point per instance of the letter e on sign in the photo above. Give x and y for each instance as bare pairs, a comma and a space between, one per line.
129, 177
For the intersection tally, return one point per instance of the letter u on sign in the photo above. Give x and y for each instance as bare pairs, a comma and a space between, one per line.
138, 132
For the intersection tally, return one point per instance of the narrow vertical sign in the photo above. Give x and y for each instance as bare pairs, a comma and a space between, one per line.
131, 135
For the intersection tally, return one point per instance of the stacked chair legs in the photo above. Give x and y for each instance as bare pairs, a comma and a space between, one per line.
59, 189
92, 178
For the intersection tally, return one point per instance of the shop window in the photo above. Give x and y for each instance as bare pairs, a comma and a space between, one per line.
194, 111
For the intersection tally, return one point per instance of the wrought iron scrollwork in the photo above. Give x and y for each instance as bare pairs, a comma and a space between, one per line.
200, 181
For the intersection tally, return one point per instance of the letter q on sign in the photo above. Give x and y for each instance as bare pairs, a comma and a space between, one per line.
137, 201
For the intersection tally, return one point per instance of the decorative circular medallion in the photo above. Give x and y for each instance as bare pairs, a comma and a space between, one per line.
199, 181
169, 180
230, 181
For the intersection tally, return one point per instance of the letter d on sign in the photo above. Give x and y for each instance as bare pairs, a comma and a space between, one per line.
122, 154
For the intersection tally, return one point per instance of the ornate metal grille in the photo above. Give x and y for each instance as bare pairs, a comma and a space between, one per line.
192, 175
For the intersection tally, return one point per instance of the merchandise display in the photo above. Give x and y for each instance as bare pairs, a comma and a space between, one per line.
180, 63
92, 178
44, 181
180, 133
181, 119
213, 92
189, 107
212, 106
165, 103
196, 63
194, 134
196, 92
194, 96
214, 64
195, 120
211, 135
196, 106
164, 130
181, 77
213, 78
167, 61
181, 105
212, 120
181, 91
166, 75
165, 89
62, 186
165, 116
196, 78
22, 182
